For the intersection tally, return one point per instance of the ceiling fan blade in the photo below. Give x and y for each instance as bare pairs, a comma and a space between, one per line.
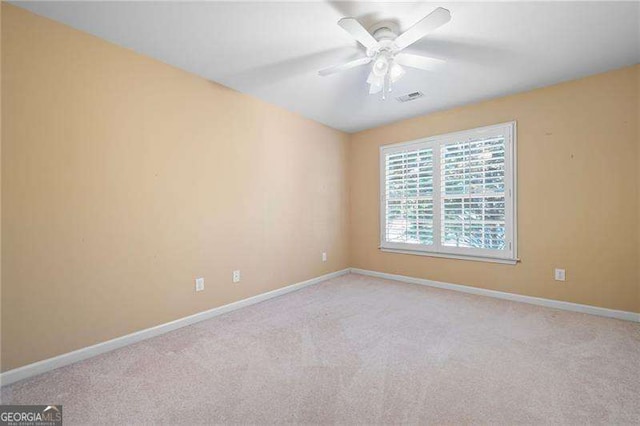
417, 61
358, 32
429, 23
343, 67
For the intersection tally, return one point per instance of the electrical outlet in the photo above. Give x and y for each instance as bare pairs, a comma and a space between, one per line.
199, 284
560, 275
324, 256
236, 276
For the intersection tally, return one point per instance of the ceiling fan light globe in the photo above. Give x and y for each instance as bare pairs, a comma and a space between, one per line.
371, 78
375, 88
375, 79
396, 72
380, 66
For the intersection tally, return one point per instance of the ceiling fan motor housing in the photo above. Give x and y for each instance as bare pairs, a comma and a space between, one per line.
384, 32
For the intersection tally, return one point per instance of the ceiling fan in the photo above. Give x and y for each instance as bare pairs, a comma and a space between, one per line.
384, 48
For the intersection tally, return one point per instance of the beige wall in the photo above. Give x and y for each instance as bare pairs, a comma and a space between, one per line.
123, 179
578, 188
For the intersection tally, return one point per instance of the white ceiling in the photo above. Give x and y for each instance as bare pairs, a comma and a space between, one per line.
274, 50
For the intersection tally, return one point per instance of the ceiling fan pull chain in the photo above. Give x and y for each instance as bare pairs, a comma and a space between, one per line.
385, 87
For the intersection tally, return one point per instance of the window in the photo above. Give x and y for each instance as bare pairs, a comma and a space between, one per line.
451, 195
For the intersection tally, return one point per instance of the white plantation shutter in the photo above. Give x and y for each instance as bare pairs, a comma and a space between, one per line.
472, 193
451, 194
409, 197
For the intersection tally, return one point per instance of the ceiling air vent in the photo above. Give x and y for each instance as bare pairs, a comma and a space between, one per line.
410, 97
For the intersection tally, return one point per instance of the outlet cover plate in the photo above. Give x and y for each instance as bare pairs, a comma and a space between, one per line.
199, 284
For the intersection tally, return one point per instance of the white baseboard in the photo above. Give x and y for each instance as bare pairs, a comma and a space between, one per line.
550, 303
43, 366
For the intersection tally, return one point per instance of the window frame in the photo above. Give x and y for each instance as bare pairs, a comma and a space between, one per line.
508, 256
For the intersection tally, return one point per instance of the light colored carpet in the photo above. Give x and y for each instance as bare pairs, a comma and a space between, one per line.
357, 349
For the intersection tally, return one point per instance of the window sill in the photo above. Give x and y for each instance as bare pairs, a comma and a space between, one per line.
451, 256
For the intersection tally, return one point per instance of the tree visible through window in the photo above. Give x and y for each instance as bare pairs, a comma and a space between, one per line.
451, 194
